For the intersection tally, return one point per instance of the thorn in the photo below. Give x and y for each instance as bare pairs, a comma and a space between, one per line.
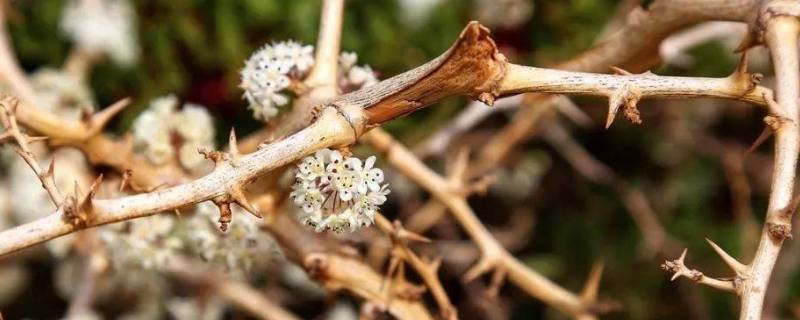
435, 264
95, 186
483, 266
590, 290
765, 134
32, 139
394, 264
741, 67
51, 168
101, 118
126, 176
458, 168
682, 258
620, 71
233, 146
397, 232
177, 213
613, 107
734, 264
237, 195
679, 264
411, 236
77, 191
498, 277
750, 40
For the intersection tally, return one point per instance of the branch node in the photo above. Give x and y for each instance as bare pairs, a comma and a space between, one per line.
678, 268
779, 231
225, 215
77, 208
628, 97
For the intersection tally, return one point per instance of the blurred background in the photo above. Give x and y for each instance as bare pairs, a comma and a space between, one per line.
571, 194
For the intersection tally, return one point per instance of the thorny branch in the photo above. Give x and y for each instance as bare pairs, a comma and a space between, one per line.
494, 258
341, 121
781, 29
427, 270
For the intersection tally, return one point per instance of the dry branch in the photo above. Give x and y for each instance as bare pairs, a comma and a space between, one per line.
494, 258
339, 272
239, 294
781, 29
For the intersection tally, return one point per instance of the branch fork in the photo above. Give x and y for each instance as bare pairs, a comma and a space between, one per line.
679, 269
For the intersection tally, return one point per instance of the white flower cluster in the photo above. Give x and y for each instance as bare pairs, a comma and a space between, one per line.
149, 243
338, 193
504, 13
145, 243
269, 71
354, 77
242, 247
209, 308
272, 69
161, 133
102, 27
61, 94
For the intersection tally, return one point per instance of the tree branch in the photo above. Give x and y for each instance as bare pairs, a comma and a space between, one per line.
322, 78
493, 255
237, 293
781, 31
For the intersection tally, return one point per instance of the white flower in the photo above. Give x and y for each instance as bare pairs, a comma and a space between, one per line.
269, 71
195, 309
362, 76
338, 193
163, 133
102, 27
504, 13
347, 60
416, 12
352, 76
240, 248
371, 178
61, 94
71, 167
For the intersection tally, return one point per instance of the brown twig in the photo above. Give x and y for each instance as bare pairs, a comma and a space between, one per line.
239, 294
493, 256
339, 272
427, 270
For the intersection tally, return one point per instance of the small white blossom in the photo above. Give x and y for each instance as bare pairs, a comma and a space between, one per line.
417, 12
163, 133
362, 76
194, 309
347, 60
102, 27
269, 71
61, 94
146, 243
242, 247
504, 13
352, 76
338, 193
